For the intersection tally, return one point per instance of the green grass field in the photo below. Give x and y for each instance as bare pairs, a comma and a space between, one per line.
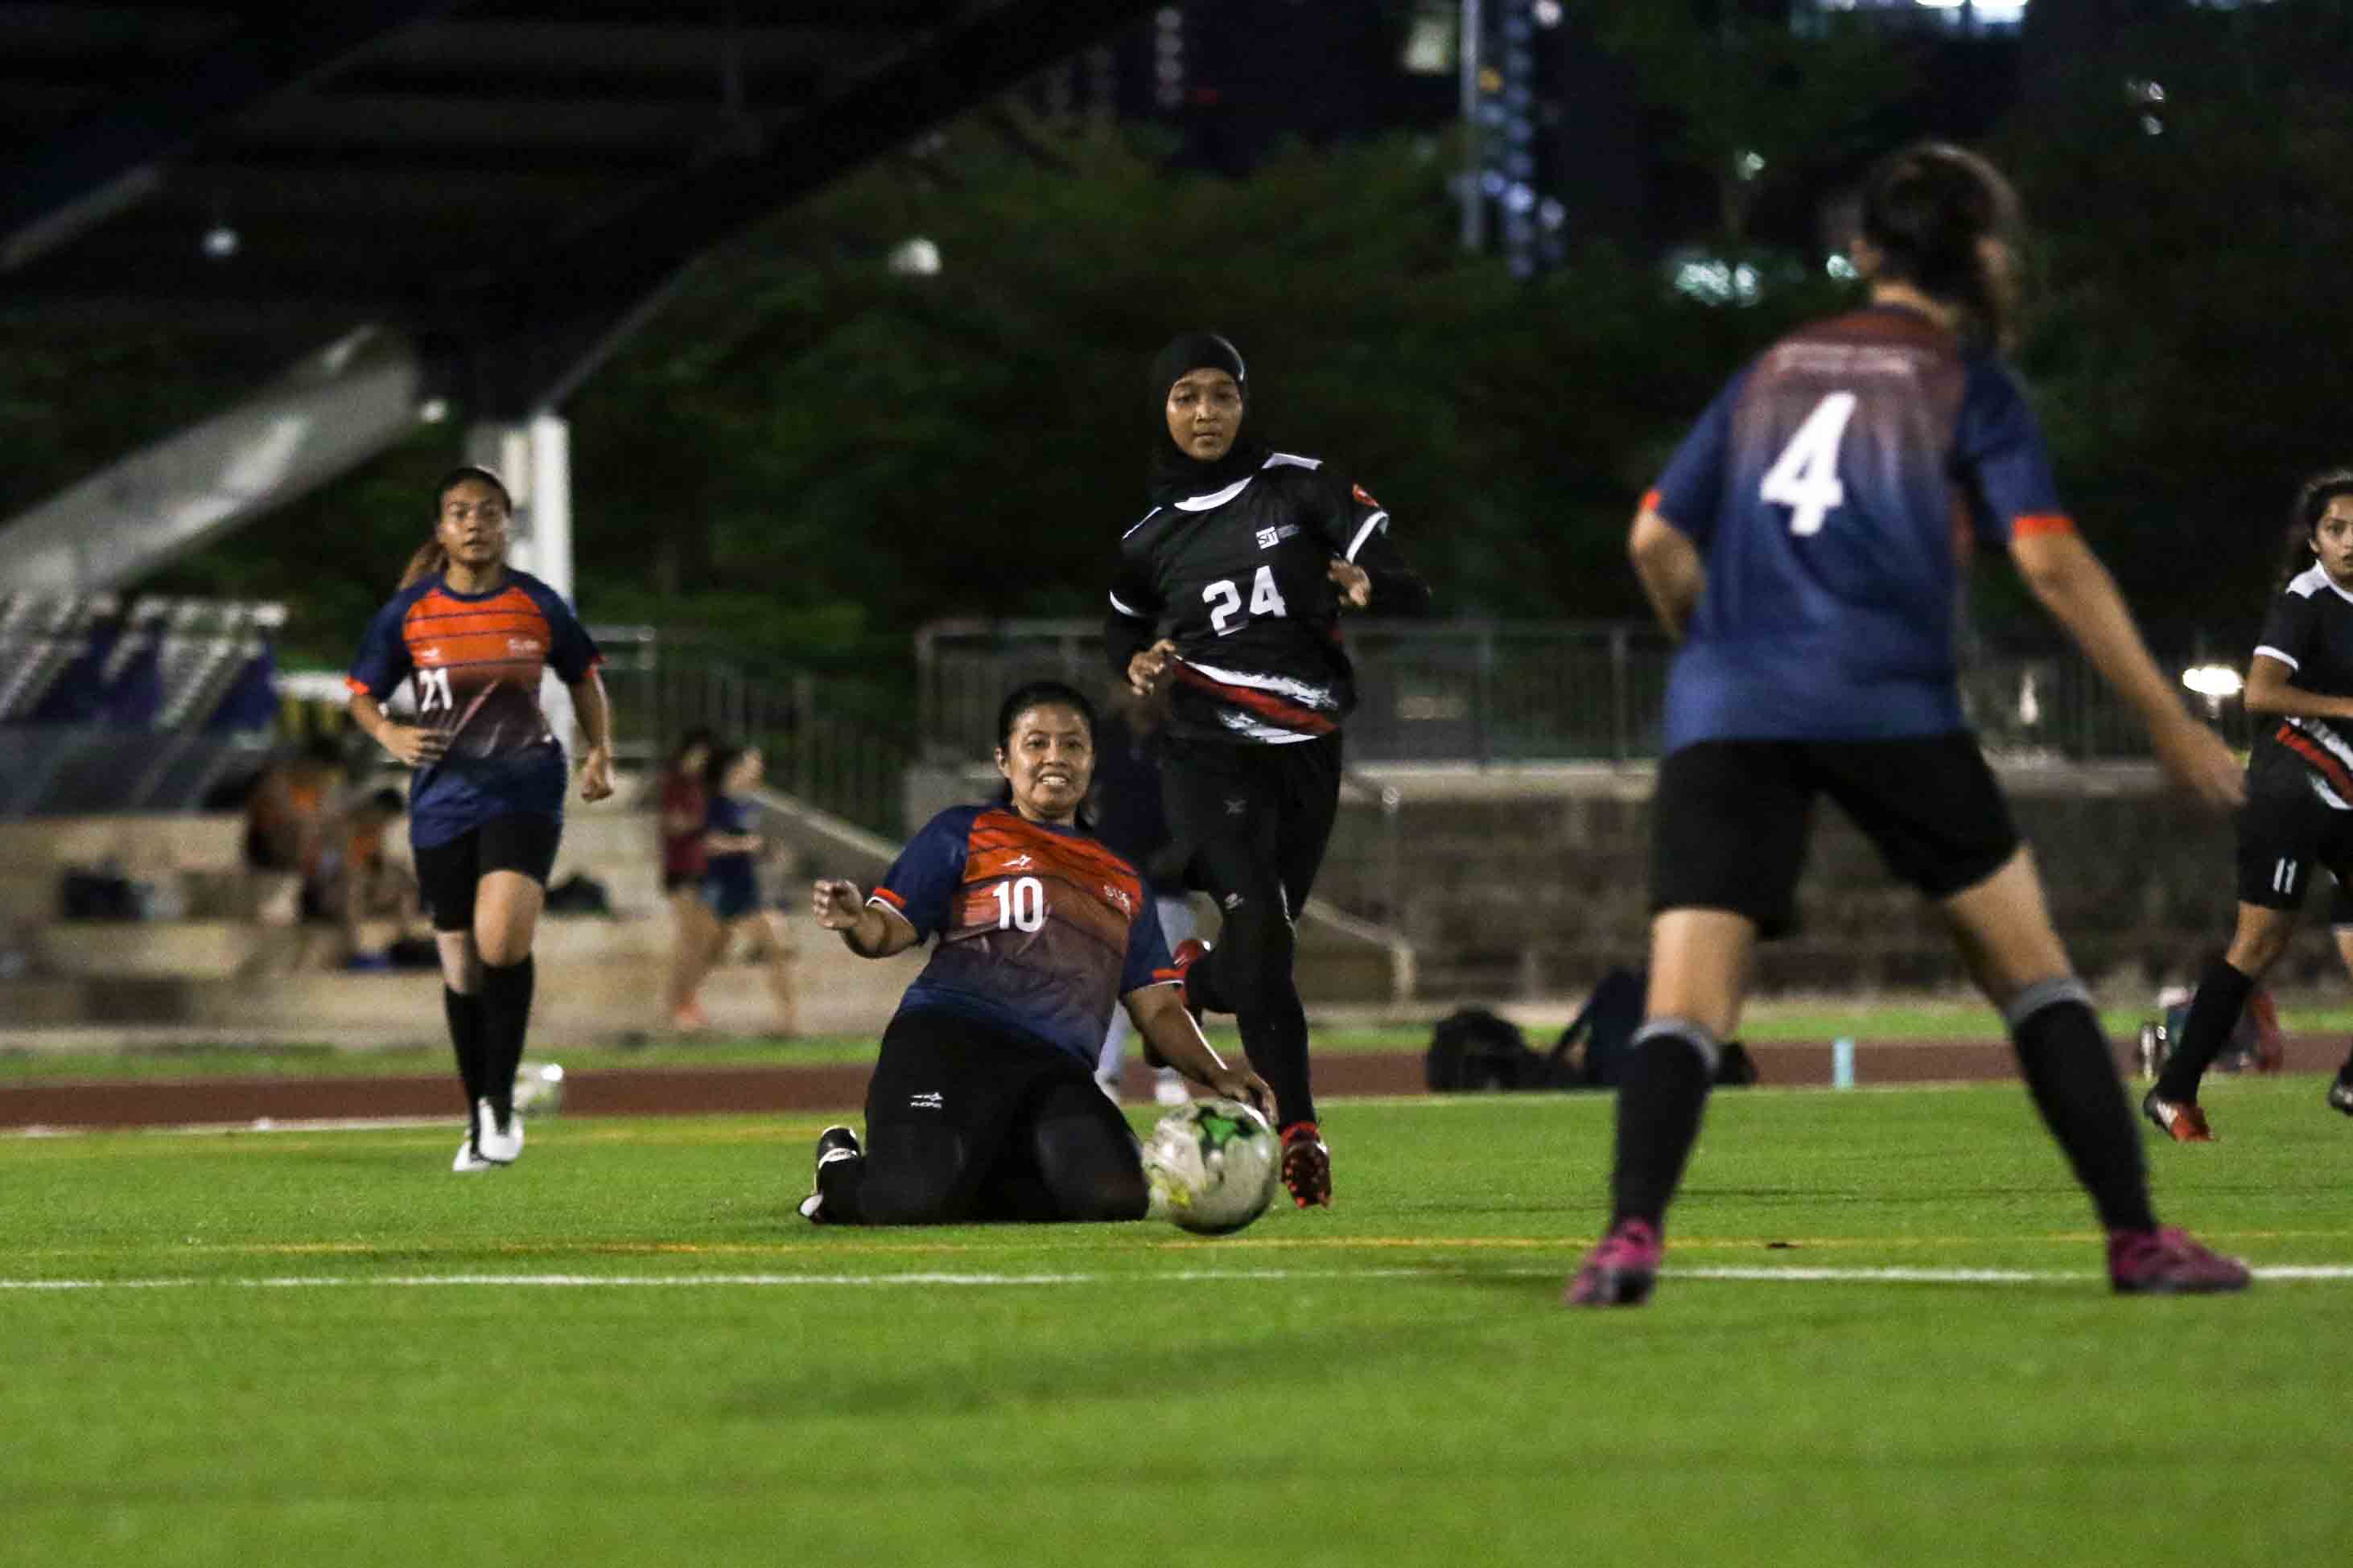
320, 1347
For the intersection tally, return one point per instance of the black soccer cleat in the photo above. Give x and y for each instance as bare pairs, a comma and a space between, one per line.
2341, 1097
836, 1142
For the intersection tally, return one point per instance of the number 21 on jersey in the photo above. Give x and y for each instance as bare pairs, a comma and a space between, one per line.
433, 690
1804, 477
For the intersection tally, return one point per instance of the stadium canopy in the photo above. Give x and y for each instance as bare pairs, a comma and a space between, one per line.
465, 201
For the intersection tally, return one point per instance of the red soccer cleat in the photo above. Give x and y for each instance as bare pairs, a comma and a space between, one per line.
1306, 1165
2179, 1119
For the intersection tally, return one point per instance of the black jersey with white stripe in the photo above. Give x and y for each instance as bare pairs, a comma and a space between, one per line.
1240, 580
2309, 629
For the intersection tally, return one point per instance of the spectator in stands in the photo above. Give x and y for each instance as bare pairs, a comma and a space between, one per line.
287, 811
1131, 819
730, 881
682, 808
359, 885
474, 637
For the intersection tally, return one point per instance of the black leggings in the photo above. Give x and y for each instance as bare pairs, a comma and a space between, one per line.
1062, 1160
1255, 820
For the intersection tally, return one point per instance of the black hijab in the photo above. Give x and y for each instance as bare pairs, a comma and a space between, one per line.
1175, 473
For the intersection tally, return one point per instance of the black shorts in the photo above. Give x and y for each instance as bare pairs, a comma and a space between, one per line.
690, 880
2282, 839
1730, 819
448, 874
939, 1068
1243, 811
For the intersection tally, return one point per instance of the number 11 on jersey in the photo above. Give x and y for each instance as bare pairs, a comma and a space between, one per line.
1804, 477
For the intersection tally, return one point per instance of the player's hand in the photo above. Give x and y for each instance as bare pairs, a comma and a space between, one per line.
1233, 1082
1144, 670
2200, 765
1356, 584
412, 745
837, 905
596, 774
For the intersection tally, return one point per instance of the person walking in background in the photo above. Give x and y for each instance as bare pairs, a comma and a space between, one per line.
1230, 592
2299, 811
682, 804
983, 1105
1802, 548
472, 636
1132, 820
730, 890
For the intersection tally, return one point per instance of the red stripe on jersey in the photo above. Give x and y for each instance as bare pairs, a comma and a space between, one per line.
892, 898
2034, 524
2339, 777
1265, 704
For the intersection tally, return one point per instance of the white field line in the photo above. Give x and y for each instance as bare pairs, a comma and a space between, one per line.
2330, 1271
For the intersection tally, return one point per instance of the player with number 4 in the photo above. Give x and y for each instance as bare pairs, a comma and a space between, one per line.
1805, 545
1228, 591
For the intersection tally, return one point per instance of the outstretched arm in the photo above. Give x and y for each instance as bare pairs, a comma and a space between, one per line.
2062, 571
868, 930
1159, 1014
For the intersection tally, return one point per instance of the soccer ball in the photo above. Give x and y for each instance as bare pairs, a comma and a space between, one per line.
1212, 1167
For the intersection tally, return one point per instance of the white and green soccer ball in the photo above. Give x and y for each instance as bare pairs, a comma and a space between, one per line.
1212, 1167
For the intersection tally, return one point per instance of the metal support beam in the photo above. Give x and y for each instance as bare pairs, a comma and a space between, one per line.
336, 410
112, 163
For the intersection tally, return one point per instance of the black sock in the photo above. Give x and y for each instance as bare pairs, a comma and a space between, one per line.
1661, 1093
2213, 1012
1274, 1038
840, 1181
506, 1014
2074, 1081
464, 1013
2345, 1073
1202, 991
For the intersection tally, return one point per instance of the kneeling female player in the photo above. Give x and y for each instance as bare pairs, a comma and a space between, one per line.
982, 1104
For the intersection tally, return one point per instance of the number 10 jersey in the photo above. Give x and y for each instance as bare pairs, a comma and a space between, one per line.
1835, 488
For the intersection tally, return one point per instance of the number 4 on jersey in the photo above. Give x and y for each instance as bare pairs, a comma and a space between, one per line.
1804, 477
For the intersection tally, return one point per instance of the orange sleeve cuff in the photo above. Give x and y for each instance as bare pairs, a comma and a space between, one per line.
1650, 501
356, 685
2038, 523
890, 898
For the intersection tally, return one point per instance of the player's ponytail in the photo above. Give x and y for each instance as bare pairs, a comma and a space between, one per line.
2312, 501
430, 558
1926, 208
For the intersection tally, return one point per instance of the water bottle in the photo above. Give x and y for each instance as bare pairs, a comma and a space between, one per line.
1842, 1063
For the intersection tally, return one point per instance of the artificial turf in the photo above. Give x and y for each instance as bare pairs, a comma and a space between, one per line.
322, 1347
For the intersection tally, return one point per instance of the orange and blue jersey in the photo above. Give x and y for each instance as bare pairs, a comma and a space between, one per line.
475, 661
1835, 488
1041, 929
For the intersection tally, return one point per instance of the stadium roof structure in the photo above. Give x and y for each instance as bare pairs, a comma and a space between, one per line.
509, 183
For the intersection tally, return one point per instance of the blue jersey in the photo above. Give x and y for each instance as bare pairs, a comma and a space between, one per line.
1835, 488
733, 870
1041, 929
476, 659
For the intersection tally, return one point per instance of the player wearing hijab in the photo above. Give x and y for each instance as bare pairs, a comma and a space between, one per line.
1803, 546
486, 807
2299, 811
1230, 589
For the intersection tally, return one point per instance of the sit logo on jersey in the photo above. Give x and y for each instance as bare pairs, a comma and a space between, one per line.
1267, 538
1119, 896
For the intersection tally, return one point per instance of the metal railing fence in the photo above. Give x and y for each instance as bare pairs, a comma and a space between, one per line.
826, 739
1506, 692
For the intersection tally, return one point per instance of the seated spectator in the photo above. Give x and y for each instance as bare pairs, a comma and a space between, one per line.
286, 814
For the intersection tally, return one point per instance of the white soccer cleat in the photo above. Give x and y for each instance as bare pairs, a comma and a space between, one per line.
468, 1161
498, 1147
